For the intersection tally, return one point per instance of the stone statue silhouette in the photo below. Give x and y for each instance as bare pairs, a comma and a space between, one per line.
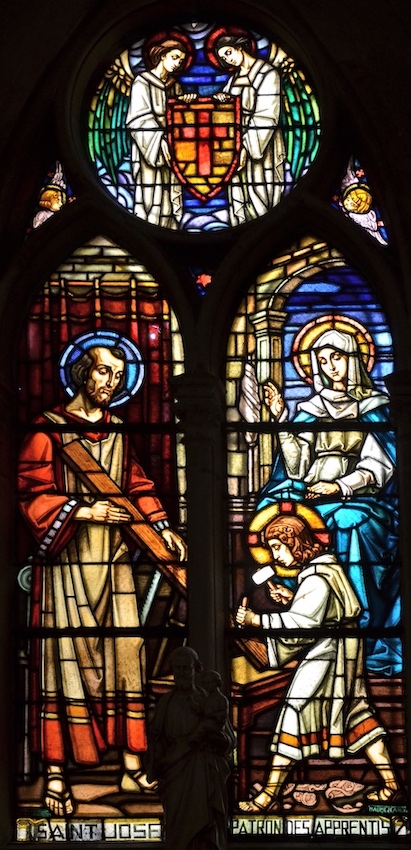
190, 746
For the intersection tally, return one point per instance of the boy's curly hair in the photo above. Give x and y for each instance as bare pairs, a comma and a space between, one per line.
294, 532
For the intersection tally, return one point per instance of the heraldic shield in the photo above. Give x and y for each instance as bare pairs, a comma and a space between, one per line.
204, 138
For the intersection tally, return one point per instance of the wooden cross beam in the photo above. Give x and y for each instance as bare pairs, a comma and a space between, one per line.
90, 473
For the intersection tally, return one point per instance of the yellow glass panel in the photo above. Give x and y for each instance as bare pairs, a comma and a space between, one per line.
185, 151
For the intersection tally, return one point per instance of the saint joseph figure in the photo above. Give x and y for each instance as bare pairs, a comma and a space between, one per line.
87, 689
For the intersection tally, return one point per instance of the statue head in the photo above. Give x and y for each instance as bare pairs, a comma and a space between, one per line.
185, 664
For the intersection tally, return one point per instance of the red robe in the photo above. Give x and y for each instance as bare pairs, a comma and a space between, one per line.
86, 690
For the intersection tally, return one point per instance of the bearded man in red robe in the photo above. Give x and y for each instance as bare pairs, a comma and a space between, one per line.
87, 686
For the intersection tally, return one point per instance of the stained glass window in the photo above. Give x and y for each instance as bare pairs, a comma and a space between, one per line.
198, 128
315, 638
53, 195
202, 127
354, 199
101, 546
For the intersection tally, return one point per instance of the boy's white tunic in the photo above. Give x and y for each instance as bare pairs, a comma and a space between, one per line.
326, 710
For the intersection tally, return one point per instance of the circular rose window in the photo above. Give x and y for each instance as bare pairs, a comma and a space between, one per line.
202, 127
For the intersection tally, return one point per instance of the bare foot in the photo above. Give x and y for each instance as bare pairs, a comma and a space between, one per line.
57, 797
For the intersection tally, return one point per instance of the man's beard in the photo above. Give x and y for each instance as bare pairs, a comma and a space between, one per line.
94, 396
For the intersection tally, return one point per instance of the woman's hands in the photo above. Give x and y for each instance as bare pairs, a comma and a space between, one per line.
323, 488
273, 399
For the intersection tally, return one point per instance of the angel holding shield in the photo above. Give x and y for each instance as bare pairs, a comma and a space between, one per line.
258, 183
158, 194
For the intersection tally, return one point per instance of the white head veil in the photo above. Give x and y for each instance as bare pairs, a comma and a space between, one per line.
346, 403
359, 384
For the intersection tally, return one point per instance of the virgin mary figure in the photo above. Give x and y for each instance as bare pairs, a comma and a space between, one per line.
348, 470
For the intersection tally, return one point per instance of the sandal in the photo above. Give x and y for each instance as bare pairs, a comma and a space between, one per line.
250, 806
63, 798
397, 797
136, 782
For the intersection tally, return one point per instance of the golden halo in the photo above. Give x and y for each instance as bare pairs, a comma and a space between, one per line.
308, 335
262, 518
